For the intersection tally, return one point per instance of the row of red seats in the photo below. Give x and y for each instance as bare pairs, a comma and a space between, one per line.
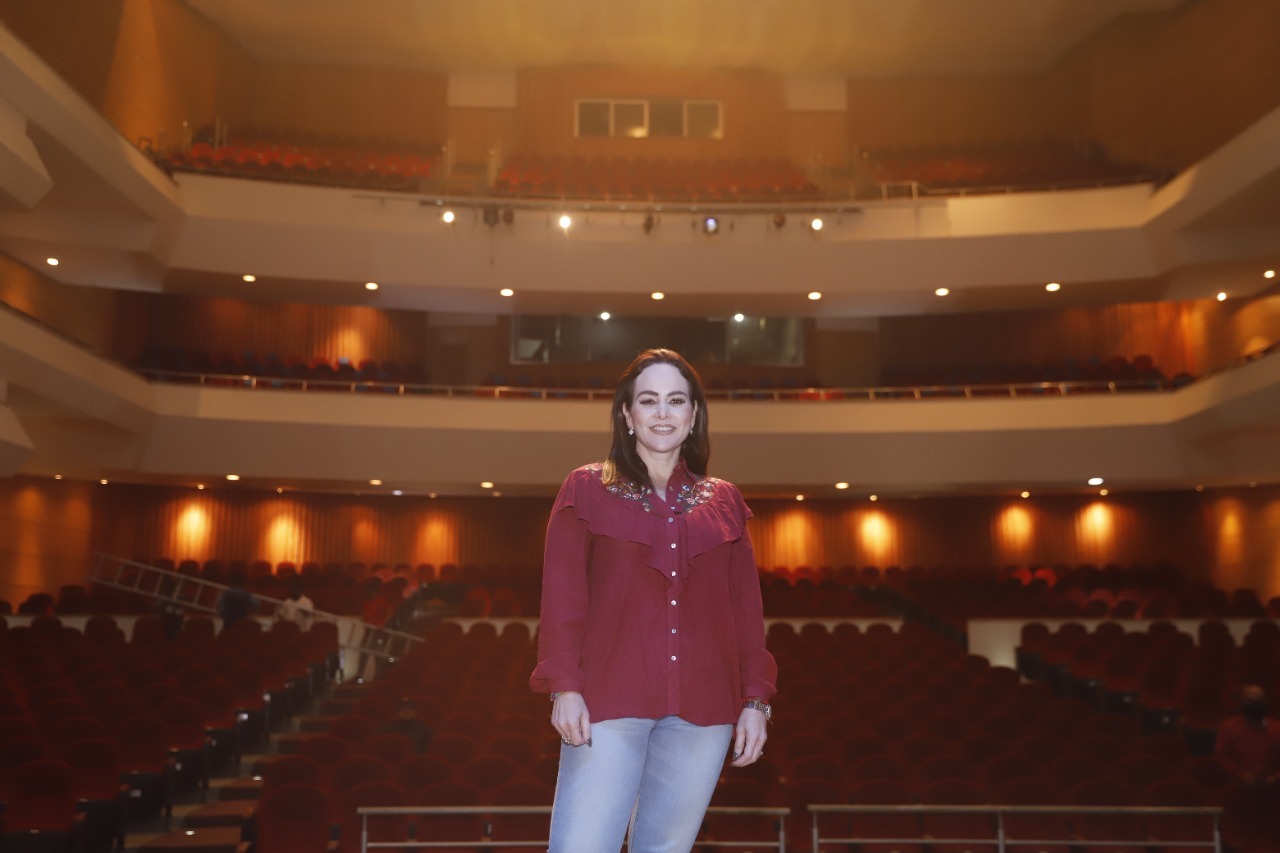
390, 170
271, 365
1118, 368
642, 179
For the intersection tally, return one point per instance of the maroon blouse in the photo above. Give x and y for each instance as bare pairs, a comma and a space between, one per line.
652, 608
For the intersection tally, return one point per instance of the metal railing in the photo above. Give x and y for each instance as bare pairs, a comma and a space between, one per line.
1014, 390
491, 814
194, 593
1001, 840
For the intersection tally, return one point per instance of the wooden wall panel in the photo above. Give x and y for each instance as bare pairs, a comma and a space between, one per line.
474, 131
46, 531
286, 329
83, 313
370, 103
149, 66
1242, 531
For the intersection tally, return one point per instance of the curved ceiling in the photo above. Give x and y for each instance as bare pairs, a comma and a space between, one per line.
843, 37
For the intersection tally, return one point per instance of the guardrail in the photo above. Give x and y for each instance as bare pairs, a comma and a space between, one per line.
521, 392
1000, 837
194, 593
491, 813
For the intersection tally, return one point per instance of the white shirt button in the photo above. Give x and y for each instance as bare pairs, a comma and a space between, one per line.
673, 630
673, 574
673, 544
673, 657
673, 602
669, 520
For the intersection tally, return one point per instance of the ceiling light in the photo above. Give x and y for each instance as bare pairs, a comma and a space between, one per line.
1103, 492
53, 262
279, 490
657, 296
447, 217
249, 278
1096, 481
497, 494
233, 477
842, 486
1199, 488
1269, 274
874, 498
375, 482
942, 291
200, 486
506, 291
738, 318
815, 295
799, 497
815, 224
1053, 287
1024, 495
710, 225
565, 221
605, 315
1222, 296
57, 476
397, 492
486, 485
370, 285
103, 482
431, 495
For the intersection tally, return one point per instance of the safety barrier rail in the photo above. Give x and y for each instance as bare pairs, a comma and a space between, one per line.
195, 593
1001, 839
520, 392
491, 813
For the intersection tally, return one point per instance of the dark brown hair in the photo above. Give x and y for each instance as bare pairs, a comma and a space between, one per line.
623, 463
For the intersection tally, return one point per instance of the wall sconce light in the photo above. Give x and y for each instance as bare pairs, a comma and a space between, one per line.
711, 225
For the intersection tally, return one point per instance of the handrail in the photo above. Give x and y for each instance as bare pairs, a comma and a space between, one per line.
199, 594
498, 392
1001, 838
366, 812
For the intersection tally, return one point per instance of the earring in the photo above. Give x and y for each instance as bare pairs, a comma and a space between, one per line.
631, 432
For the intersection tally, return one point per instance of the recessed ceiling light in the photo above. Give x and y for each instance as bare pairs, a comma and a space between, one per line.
711, 225
815, 224
375, 482
57, 476
605, 315
942, 291
447, 217
497, 494
738, 318
279, 490
233, 477
1103, 492
370, 285
657, 296
842, 486
1095, 481
506, 291
1222, 296
565, 221
874, 498
397, 492
1053, 287
200, 486
249, 278
799, 497
1024, 494
431, 495
53, 262
1269, 274
1199, 488
815, 295
486, 485
1253, 484
103, 482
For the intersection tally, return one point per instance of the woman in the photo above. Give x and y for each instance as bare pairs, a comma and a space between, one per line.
651, 641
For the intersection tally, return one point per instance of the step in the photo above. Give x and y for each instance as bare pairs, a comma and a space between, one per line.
223, 813
217, 839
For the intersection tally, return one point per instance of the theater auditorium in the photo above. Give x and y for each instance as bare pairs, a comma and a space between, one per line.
307, 310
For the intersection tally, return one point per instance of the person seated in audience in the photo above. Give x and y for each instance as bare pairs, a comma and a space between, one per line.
235, 603
1248, 747
297, 607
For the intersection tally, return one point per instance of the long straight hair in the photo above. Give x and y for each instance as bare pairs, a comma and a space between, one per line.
623, 462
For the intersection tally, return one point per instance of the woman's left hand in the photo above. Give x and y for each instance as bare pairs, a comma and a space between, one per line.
749, 737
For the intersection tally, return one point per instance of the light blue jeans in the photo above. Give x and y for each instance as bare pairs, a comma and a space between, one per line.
656, 775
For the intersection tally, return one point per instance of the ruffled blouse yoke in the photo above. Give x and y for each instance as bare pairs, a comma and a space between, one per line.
651, 607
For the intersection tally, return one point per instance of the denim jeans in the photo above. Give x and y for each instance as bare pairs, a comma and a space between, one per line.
658, 775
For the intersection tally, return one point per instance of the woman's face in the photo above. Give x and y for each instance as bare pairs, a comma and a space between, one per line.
661, 410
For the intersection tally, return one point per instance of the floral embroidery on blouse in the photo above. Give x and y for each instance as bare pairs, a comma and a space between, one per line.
689, 496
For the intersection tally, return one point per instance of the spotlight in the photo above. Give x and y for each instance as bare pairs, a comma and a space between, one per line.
942, 291
1053, 287
370, 285
779, 220
1222, 296
447, 217
815, 223
815, 295
605, 315
657, 296
1095, 481
1269, 274
491, 216
710, 225
506, 291
738, 318
565, 221
53, 262
649, 223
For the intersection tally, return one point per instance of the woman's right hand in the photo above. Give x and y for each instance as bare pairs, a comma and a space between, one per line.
570, 718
